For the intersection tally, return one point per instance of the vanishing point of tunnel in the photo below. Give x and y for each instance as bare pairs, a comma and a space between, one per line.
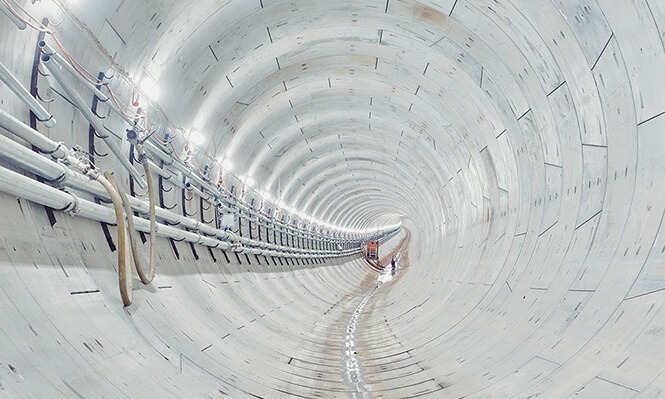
332, 199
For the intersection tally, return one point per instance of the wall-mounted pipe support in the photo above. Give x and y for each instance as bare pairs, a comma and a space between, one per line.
76, 99
38, 109
35, 138
48, 50
19, 185
49, 169
25, 158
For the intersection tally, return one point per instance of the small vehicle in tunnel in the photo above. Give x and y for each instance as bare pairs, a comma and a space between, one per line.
372, 250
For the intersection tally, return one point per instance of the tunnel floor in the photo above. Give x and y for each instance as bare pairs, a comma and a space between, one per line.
349, 350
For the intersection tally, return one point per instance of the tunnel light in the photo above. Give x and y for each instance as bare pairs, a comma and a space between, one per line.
150, 88
196, 138
227, 165
266, 195
249, 181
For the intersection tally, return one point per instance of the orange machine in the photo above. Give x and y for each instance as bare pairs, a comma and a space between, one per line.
372, 250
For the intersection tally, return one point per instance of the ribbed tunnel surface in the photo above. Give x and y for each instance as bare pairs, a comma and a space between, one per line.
519, 144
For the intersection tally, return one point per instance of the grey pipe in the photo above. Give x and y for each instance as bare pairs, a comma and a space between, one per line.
166, 155
24, 187
166, 174
75, 97
19, 24
54, 171
194, 189
25, 132
35, 106
27, 159
67, 66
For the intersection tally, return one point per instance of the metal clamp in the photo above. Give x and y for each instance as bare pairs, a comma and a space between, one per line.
74, 207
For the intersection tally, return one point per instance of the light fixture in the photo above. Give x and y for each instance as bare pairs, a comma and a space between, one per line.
227, 165
196, 138
250, 181
150, 88
266, 196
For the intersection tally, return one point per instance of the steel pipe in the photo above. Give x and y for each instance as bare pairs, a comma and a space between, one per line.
35, 106
206, 197
166, 155
24, 187
35, 138
160, 171
27, 159
44, 167
19, 24
46, 49
54, 171
76, 99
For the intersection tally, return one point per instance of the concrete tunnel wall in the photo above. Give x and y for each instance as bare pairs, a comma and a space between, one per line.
521, 143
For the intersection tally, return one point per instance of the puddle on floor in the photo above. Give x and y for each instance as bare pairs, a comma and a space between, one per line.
353, 371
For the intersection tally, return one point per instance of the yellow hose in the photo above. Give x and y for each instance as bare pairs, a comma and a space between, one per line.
153, 220
124, 272
132, 235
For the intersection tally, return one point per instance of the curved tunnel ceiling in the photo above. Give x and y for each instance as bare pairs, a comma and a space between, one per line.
520, 144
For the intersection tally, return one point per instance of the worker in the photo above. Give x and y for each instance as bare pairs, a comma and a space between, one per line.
392, 263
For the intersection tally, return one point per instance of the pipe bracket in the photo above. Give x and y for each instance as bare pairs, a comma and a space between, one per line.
74, 207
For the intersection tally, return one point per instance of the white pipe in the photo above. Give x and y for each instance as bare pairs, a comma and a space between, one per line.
19, 24
22, 186
51, 170
27, 159
194, 189
68, 67
75, 97
166, 174
76, 181
166, 155
38, 109
25, 132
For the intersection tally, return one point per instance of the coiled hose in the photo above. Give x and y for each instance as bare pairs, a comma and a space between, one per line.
146, 279
124, 271
153, 220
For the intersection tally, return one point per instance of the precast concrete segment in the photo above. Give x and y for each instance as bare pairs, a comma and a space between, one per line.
519, 142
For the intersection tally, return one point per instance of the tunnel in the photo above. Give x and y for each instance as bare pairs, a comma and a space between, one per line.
188, 190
